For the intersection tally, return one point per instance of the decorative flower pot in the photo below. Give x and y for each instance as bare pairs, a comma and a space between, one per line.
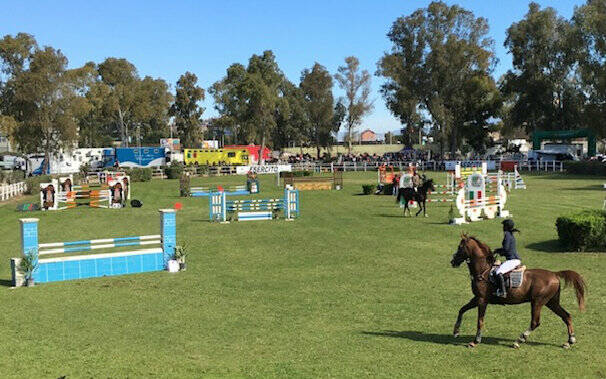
172, 266
30, 282
182, 266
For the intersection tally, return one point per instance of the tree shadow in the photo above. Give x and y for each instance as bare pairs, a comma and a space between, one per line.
6, 283
448, 339
549, 246
592, 187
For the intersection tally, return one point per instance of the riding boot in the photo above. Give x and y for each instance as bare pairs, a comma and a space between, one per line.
501, 290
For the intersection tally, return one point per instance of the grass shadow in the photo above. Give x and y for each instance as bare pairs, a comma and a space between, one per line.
549, 246
386, 215
448, 339
593, 187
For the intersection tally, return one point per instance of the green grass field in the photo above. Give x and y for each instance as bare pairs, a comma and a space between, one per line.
351, 289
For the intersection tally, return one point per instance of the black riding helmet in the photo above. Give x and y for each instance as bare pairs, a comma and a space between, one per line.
508, 224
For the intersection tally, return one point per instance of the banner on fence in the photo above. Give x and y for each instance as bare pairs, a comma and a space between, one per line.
266, 169
450, 165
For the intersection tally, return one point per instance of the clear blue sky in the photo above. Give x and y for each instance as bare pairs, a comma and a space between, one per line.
166, 38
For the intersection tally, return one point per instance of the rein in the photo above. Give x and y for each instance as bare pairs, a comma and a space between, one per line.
482, 276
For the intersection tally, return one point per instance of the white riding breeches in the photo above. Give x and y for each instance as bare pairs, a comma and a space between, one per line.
507, 266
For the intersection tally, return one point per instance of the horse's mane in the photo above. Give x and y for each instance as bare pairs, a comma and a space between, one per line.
484, 248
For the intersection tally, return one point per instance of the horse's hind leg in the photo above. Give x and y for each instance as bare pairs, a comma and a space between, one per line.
471, 304
535, 321
554, 305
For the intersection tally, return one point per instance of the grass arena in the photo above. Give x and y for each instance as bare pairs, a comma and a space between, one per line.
351, 288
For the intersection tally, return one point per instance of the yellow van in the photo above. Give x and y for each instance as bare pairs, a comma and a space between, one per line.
216, 157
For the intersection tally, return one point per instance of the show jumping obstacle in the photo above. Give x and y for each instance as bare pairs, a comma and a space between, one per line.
305, 183
477, 200
63, 194
251, 187
59, 268
254, 210
512, 175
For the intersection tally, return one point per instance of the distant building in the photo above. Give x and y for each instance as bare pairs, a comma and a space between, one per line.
368, 136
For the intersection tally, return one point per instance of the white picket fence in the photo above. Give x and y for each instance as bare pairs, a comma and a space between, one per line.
8, 191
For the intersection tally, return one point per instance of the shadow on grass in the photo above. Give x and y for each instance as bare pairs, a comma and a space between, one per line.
387, 215
448, 339
549, 246
6, 283
593, 187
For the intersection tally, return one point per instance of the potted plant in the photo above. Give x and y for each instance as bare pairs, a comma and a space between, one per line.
28, 265
180, 254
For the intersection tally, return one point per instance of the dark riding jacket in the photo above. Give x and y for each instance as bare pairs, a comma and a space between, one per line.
509, 247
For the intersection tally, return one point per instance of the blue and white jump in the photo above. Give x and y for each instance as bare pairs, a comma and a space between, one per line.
252, 186
207, 191
253, 210
59, 268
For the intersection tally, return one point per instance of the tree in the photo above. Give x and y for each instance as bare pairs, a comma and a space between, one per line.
186, 110
48, 101
590, 35
126, 104
292, 123
249, 97
542, 85
356, 85
15, 54
316, 84
440, 66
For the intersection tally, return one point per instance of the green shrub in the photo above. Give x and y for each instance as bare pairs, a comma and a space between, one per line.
11, 177
368, 189
33, 183
140, 174
585, 168
174, 171
296, 173
387, 189
583, 231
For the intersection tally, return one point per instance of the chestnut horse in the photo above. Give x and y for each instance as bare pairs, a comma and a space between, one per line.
539, 287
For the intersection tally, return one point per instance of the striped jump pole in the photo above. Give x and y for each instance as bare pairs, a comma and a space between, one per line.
61, 268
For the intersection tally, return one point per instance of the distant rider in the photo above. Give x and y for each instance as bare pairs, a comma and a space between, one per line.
512, 259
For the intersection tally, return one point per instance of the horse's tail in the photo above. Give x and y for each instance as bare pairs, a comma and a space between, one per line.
572, 277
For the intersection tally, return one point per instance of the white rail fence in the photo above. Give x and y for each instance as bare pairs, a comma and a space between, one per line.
8, 191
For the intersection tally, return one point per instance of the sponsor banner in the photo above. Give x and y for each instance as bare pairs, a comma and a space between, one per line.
265, 169
210, 144
172, 144
450, 165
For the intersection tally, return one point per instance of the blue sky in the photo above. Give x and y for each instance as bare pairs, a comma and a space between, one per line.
166, 38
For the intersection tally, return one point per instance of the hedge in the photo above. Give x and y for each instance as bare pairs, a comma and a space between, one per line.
584, 231
585, 168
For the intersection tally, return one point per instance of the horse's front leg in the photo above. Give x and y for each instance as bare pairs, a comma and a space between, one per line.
471, 304
481, 312
420, 205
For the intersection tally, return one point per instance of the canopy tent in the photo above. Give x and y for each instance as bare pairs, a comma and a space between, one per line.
539, 136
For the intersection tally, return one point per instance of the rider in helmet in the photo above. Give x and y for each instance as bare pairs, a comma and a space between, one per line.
512, 259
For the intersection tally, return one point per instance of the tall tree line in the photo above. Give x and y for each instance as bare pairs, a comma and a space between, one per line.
439, 72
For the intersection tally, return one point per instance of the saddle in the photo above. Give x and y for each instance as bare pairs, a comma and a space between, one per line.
513, 279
